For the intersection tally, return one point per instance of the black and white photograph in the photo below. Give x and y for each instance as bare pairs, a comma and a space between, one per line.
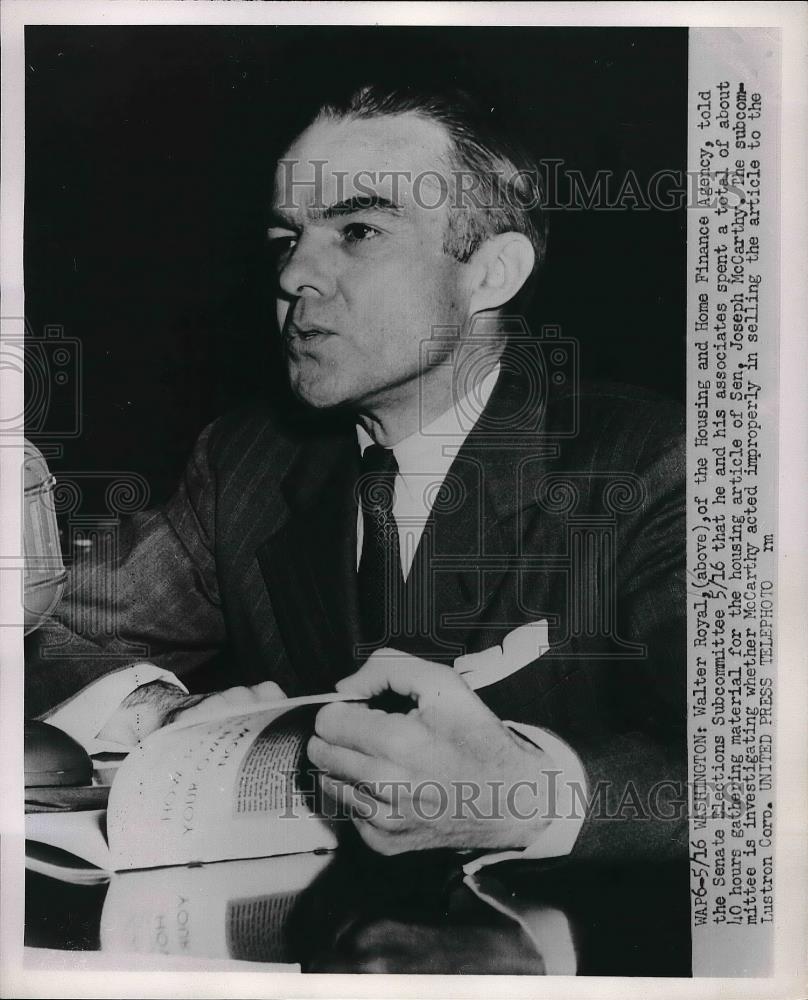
394, 460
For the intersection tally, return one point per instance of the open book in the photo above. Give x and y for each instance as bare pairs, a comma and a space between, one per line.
226, 788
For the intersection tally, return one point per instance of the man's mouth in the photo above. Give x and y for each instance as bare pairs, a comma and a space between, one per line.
306, 333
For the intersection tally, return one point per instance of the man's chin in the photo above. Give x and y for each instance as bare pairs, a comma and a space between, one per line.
320, 396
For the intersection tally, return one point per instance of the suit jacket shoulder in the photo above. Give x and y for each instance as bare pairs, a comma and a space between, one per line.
617, 422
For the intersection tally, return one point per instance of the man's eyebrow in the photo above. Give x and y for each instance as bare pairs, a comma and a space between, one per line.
358, 203
349, 206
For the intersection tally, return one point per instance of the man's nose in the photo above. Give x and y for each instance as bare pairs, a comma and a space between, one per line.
306, 272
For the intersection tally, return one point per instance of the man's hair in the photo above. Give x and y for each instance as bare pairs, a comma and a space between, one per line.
497, 186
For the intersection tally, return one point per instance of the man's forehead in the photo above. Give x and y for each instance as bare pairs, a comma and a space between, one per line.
335, 159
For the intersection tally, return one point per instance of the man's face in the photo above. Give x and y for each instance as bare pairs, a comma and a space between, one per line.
363, 277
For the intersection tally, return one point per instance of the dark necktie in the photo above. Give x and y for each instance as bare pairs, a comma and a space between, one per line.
380, 579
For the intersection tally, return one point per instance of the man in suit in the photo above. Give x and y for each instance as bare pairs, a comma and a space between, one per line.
465, 526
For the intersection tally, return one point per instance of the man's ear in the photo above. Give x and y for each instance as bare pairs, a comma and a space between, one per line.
500, 267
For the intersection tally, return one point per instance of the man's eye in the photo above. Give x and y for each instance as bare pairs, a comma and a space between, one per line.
358, 232
281, 246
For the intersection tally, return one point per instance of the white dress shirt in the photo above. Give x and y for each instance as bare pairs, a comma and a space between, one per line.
423, 460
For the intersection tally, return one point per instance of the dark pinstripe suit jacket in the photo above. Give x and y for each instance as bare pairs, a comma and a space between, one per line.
251, 566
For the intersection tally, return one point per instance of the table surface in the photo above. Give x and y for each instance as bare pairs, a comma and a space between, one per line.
354, 911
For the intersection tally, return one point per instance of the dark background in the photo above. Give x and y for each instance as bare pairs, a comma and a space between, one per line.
148, 173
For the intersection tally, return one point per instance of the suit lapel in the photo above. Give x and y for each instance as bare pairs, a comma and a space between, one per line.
478, 526
309, 563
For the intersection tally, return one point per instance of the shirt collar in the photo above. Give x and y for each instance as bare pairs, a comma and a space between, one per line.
433, 447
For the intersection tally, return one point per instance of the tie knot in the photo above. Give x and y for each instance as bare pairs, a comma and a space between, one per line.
377, 481
379, 461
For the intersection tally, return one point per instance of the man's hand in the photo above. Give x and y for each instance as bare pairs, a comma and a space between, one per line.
158, 704
446, 774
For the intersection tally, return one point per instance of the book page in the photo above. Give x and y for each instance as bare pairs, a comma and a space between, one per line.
234, 909
219, 790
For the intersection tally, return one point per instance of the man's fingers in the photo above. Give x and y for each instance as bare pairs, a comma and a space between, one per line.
378, 823
369, 731
268, 690
200, 708
391, 670
346, 765
350, 799
241, 696
445, 703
